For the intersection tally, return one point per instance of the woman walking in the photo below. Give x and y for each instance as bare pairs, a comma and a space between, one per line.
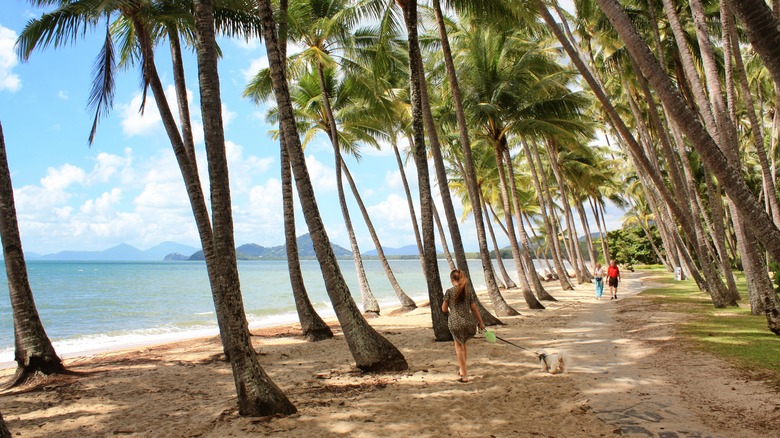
613, 274
598, 278
464, 318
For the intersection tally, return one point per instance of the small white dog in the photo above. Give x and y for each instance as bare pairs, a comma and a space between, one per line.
551, 363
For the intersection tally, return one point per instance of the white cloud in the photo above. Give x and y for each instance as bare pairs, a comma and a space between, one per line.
243, 169
394, 212
323, 178
64, 95
58, 180
255, 66
107, 165
103, 205
8, 60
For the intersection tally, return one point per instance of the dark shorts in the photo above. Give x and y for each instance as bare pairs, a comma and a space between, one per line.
613, 281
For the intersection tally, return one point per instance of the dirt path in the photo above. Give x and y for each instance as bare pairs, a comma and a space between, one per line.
637, 378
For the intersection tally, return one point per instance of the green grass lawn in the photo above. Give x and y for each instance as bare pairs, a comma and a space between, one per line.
731, 333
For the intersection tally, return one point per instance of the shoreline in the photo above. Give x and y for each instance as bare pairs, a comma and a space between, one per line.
78, 348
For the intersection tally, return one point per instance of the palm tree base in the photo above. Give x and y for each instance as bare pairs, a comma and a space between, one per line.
38, 368
320, 334
370, 314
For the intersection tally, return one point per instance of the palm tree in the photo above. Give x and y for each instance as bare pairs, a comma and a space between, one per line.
355, 126
470, 176
371, 351
312, 325
257, 394
441, 331
33, 352
322, 26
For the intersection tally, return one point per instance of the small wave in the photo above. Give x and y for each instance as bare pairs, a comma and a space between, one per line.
203, 313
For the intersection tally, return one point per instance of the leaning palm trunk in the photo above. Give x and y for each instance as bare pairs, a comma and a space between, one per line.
33, 350
573, 247
761, 27
406, 302
439, 319
730, 41
410, 202
370, 305
548, 212
371, 351
189, 172
589, 239
257, 394
469, 174
312, 326
510, 284
443, 238
533, 274
520, 268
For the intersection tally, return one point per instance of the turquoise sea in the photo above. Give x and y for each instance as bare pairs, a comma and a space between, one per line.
97, 306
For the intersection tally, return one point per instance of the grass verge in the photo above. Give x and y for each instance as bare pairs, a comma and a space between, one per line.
731, 333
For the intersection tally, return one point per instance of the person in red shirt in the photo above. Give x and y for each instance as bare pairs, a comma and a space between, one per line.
613, 278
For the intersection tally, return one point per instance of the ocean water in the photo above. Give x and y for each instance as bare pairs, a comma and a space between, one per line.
96, 306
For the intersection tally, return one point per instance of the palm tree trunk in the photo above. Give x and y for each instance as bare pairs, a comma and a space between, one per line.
522, 275
761, 27
439, 319
370, 305
192, 182
552, 157
602, 236
543, 192
257, 394
470, 174
33, 350
180, 85
4, 433
407, 303
510, 284
539, 251
533, 274
588, 238
313, 327
756, 127
443, 238
410, 201
371, 351
441, 173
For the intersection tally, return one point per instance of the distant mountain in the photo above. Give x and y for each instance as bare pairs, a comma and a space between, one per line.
251, 251
175, 257
408, 250
158, 252
121, 252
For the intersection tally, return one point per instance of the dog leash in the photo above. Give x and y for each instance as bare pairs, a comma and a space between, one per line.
511, 343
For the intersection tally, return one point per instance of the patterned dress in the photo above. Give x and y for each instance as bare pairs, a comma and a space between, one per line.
462, 323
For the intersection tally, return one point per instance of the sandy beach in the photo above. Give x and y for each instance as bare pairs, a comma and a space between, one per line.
628, 375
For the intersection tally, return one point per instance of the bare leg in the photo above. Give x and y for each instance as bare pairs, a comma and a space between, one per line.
460, 351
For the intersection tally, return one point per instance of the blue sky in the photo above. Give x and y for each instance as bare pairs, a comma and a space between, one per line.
127, 187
